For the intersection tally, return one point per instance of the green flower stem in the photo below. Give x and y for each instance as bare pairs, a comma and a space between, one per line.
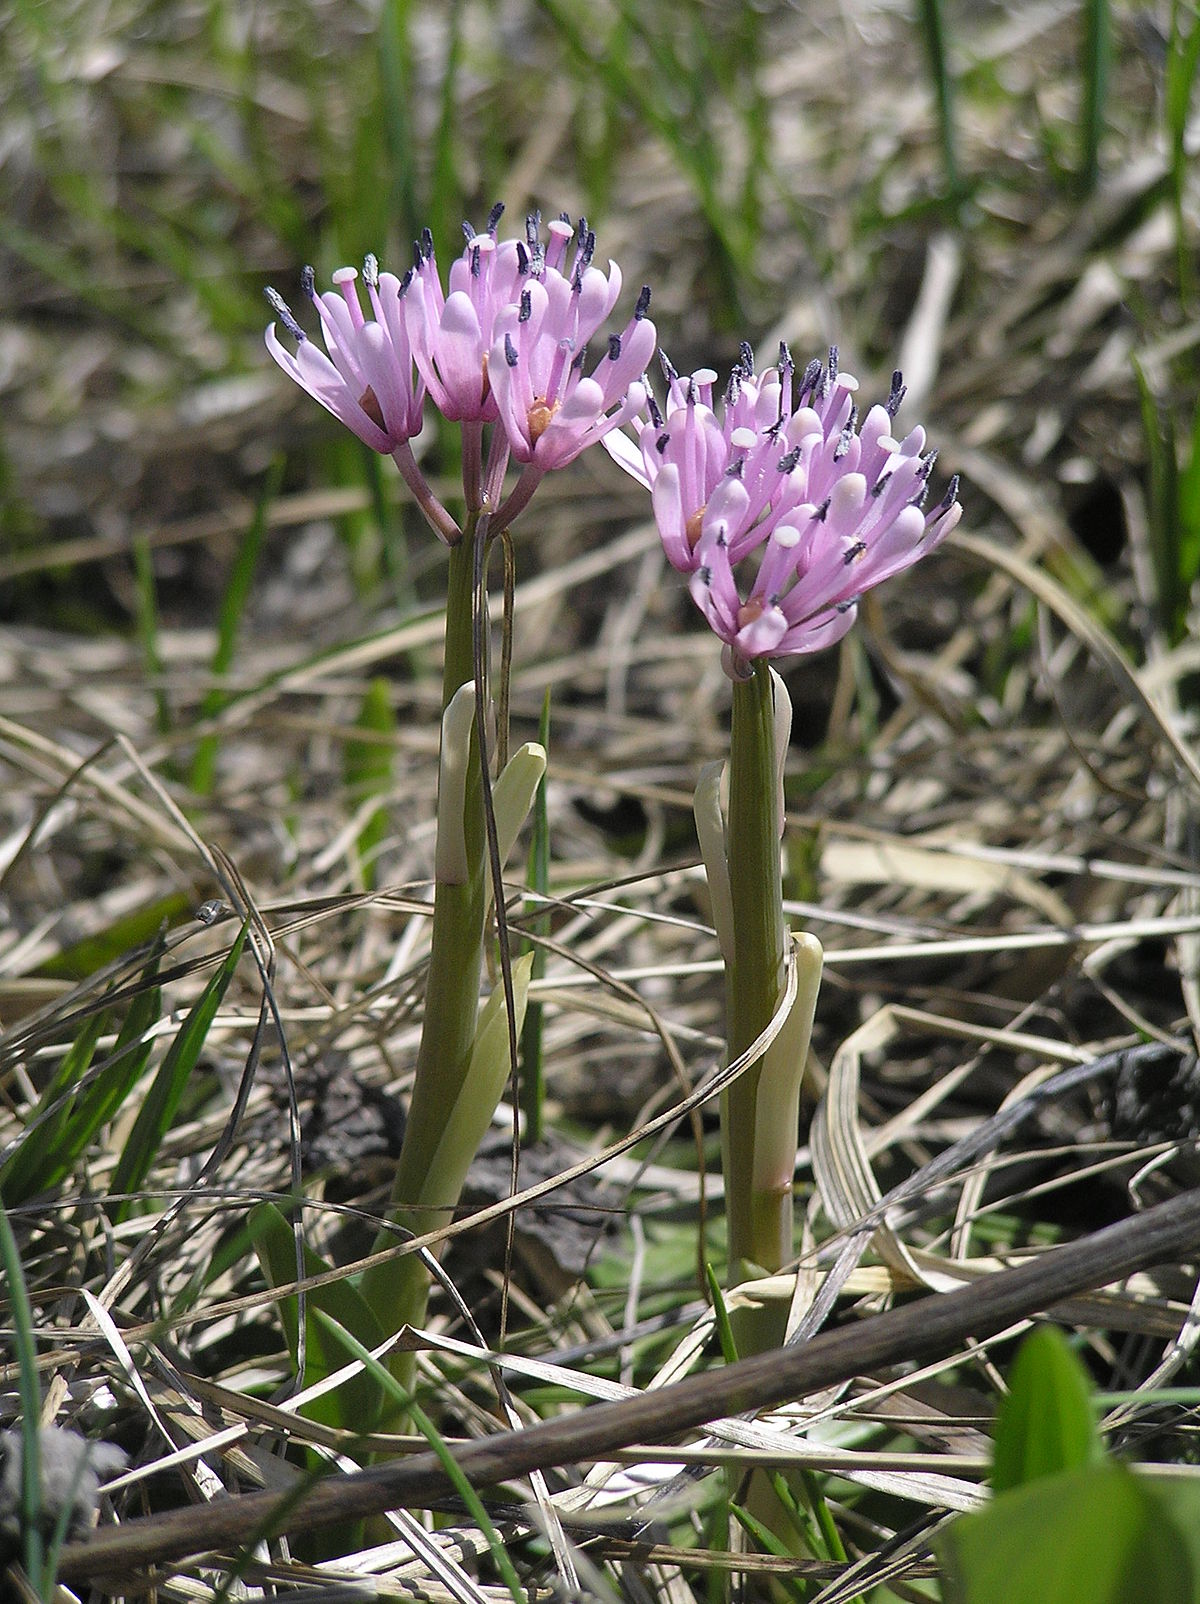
399, 1291
759, 1222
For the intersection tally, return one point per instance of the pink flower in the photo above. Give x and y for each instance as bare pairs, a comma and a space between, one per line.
367, 379
452, 334
551, 409
827, 511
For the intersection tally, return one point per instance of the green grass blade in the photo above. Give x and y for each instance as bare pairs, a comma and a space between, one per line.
53, 1142
233, 605
1163, 498
330, 1312
445, 209
933, 35
606, 64
132, 930
29, 1393
1097, 60
725, 1334
396, 96
162, 1100
147, 628
368, 770
1183, 62
40, 1161
429, 1431
533, 1080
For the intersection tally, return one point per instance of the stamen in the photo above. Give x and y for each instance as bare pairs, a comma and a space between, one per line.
643, 304
614, 347
812, 377
822, 510
881, 483
951, 496
494, 216
522, 259
898, 392
371, 270
833, 364
661, 444
510, 351
526, 309
694, 527
746, 352
284, 313
670, 372
476, 258
656, 417
787, 463
308, 281
854, 552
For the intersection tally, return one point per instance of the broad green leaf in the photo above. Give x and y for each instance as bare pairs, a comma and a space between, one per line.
482, 1089
1093, 1536
1046, 1423
357, 1404
162, 1100
514, 791
1179, 1500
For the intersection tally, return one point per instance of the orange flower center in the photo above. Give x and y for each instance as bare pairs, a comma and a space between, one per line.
692, 528
750, 612
539, 419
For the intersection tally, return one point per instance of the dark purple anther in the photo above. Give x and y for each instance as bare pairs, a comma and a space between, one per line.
284, 313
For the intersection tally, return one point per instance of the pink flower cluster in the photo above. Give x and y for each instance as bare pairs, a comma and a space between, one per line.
784, 480
506, 345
